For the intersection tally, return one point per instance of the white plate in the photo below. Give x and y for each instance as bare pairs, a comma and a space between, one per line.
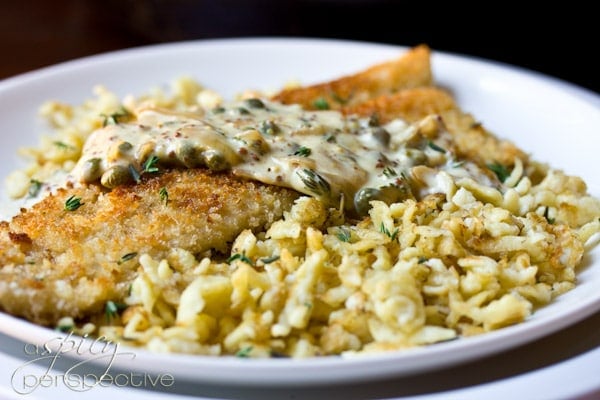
554, 121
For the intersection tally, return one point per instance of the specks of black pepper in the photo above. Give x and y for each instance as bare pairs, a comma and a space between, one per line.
279, 178
177, 134
379, 164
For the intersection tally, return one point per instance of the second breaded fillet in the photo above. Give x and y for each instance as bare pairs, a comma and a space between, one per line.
55, 262
412, 69
472, 140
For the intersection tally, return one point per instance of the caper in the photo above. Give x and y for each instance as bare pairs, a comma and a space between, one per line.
91, 170
255, 103
189, 155
215, 160
269, 128
124, 147
115, 176
387, 194
382, 136
362, 199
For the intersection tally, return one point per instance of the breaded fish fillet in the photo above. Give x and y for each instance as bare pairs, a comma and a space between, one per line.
55, 262
472, 140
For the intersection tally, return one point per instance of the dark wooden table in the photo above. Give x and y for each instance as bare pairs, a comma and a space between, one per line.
561, 42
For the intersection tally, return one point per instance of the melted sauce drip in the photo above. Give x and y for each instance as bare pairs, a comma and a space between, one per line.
336, 158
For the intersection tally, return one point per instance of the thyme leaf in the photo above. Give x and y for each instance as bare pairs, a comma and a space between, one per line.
391, 235
303, 151
435, 147
164, 195
239, 256
135, 174
127, 257
73, 203
344, 234
150, 165
244, 352
113, 119
34, 188
500, 170
314, 182
269, 260
62, 145
321, 104
112, 309
389, 172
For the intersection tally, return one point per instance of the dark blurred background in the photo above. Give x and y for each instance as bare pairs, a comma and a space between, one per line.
561, 42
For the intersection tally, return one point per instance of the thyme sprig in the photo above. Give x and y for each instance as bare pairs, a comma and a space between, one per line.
164, 195
391, 235
73, 203
314, 182
303, 151
500, 170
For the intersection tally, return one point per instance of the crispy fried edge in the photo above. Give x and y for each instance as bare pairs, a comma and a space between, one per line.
412, 69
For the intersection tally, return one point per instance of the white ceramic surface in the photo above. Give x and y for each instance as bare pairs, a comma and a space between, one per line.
552, 120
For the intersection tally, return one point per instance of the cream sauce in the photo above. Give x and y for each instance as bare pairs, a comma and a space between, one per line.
325, 154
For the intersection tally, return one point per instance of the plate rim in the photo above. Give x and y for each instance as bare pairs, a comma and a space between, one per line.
450, 351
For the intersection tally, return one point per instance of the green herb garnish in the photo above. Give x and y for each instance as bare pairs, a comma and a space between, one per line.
62, 145
73, 203
135, 174
344, 234
435, 147
34, 188
391, 235
65, 328
255, 103
244, 353
127, 257
269, 260
164, 195
218, 110
239, 256
421, 260
389, 172
268, 128
303, 151
321, 104
500, 170
243, 111
112, 309
113, 119
314, 182
150, 165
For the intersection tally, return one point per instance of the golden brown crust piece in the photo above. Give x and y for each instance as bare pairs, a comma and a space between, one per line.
403, 89
472, 140
413, 69
57, 263
410, 105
